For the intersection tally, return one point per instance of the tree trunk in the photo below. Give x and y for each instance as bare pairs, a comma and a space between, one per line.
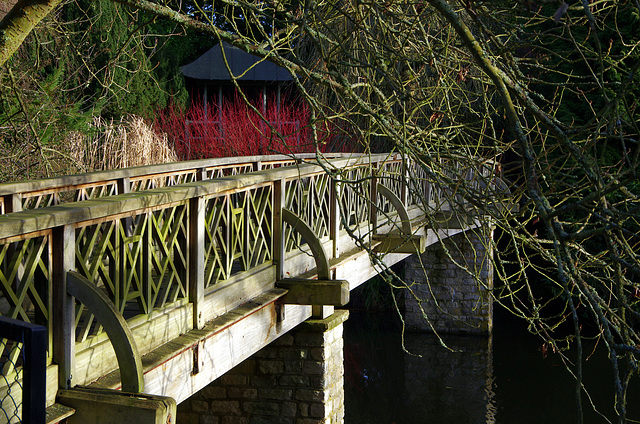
19, 22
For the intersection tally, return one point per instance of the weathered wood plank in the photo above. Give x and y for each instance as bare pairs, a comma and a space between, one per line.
400, 243
314, 292
100, 406
64, 248
222, 344
56, 413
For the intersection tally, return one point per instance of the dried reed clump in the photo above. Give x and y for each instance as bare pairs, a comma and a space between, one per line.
119, 144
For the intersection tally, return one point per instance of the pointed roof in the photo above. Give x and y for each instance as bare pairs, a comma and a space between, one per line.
210, 66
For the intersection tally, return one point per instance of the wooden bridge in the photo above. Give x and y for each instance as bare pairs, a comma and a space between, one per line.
160, 279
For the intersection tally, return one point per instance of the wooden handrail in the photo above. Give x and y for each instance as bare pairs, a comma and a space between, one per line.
13, 194
30, 221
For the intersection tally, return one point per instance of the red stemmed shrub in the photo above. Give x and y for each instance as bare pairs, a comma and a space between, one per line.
239, 130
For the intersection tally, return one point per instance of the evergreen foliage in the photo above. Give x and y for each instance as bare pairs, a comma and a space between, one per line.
88, 59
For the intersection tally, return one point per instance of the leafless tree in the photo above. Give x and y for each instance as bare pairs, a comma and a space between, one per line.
546, 94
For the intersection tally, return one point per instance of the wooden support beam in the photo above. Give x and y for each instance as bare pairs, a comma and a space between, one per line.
99, 406
400, 243
453, 220
314, 292
319, 254
405, 222
115, 326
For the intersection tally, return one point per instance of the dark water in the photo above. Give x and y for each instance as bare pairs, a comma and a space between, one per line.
503, 379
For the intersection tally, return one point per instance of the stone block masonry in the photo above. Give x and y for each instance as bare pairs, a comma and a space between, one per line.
297, 379
451, 284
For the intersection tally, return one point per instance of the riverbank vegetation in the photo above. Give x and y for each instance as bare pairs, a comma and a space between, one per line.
544, 94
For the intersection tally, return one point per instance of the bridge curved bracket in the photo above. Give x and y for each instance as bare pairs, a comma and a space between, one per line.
405, 222
115, 326
319, 254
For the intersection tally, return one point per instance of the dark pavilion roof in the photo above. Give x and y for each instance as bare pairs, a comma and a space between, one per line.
210, 66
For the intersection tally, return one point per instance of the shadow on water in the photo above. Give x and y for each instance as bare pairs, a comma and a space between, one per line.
503, 379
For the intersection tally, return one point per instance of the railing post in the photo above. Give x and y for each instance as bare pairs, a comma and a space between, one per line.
404, 186
12, 203
147, 265
35, 357
373, 197
124, 185
201, 174
64, 247
246, 221
196, 258
279, 195
334, 216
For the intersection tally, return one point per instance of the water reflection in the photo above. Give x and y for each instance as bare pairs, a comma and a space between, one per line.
428, 383
452, 384
504, 379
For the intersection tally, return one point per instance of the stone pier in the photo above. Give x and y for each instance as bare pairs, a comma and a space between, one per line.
297, 379
454, 298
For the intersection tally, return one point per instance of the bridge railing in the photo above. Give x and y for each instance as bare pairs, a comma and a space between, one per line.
171, 258
142, 250
18, 196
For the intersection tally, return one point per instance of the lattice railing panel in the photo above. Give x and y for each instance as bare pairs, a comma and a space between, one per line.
260, 225
25, 282
449, 185
432, 196
355, 187
96, 259
278, 164
391, 176
217, 240
238, 232
225, 171
310, 199
149, 183
418, 188
181, 178
92, 192
238, 241
293, 202
140, 262
40, 201
168, 256
243, 169
36, 201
